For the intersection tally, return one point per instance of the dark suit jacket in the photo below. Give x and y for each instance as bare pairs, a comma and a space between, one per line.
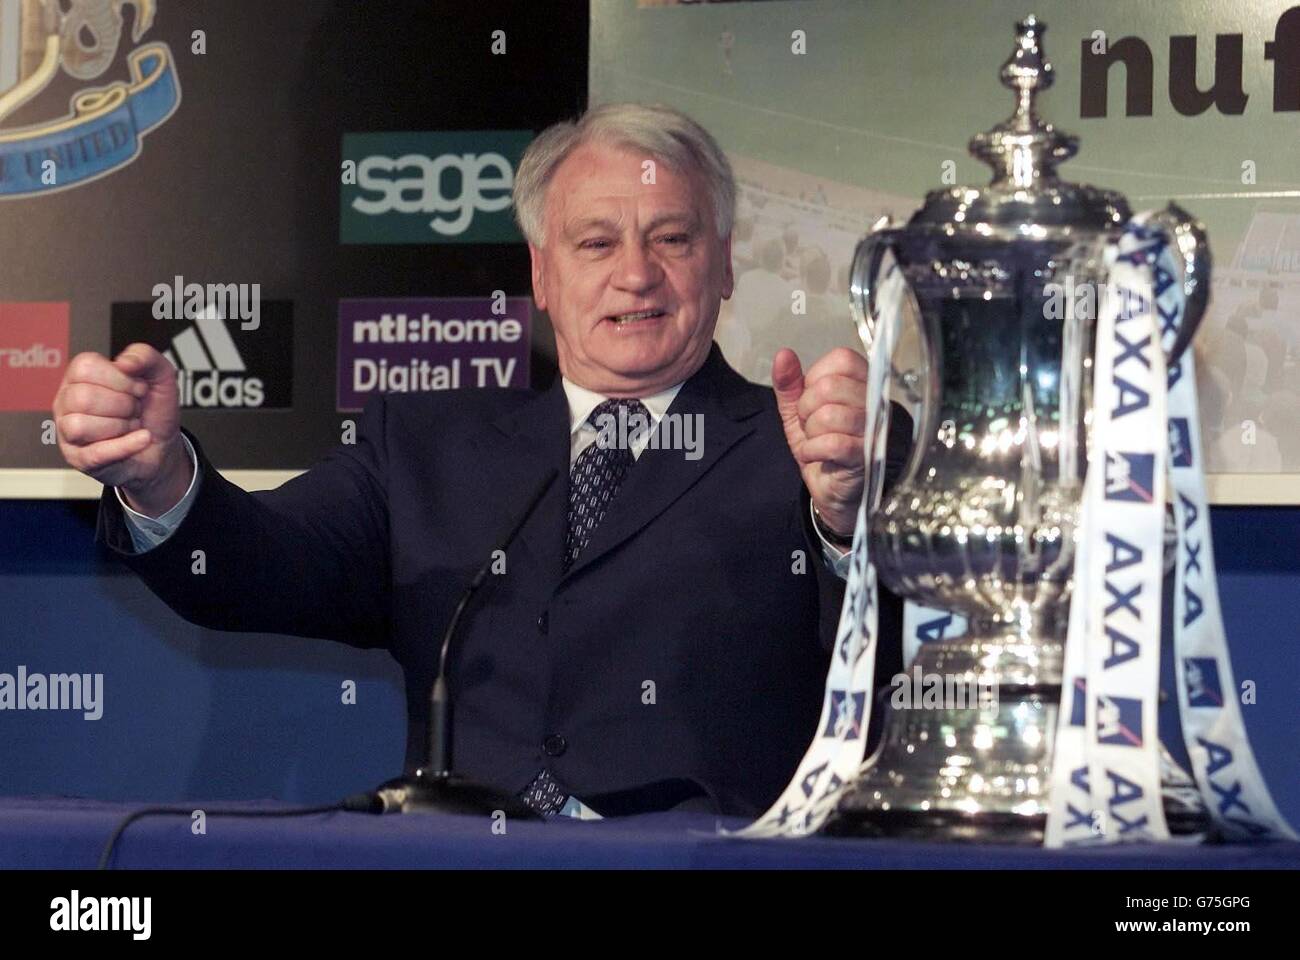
692, 582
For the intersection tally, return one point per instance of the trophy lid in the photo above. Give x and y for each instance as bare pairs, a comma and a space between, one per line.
1024, 151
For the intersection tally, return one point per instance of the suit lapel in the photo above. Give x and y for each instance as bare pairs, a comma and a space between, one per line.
727, 403
525, 444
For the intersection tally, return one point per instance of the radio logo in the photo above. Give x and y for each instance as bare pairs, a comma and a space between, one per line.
33, 353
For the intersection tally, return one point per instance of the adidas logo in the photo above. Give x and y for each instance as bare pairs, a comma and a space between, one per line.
209, 370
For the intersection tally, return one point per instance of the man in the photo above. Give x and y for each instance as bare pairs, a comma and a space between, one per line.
659, 635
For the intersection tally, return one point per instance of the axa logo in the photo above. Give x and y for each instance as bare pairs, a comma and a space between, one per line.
1230, 794
1123, 612
844, 718
101, 129
432, 187
219, 364
1190, 545
810, 781
1124, 793
1131, 389
1083, 823
1130, 476
1119, 721
1202, 677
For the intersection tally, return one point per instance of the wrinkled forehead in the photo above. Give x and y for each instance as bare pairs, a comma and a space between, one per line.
601, 182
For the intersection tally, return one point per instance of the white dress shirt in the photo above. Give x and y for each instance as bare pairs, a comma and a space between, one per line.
582, 401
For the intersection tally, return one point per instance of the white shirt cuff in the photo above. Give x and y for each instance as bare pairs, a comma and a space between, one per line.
838, 559
148, 532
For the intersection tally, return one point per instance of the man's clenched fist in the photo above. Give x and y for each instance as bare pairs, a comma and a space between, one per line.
118, 421
825, 414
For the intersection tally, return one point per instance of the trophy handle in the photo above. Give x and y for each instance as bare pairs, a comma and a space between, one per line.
1192, 253
862, 280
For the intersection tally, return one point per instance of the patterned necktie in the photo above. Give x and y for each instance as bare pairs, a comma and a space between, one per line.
598, 473
594, 479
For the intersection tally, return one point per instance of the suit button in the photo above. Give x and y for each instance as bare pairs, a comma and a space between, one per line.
543, 623
554, 745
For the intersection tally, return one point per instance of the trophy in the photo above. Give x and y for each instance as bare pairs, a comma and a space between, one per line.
982, 521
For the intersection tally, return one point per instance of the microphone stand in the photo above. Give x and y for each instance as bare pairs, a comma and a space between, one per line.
434, 787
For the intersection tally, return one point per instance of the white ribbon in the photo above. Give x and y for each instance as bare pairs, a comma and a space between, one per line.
1106, 764
836, 752
1120, 582
1223, 764
922, 625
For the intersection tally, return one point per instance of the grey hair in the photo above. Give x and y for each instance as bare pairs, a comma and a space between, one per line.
668, 135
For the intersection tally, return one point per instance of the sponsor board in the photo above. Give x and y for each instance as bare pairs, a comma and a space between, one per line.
430, 187
33, 353
423, 345
219, 365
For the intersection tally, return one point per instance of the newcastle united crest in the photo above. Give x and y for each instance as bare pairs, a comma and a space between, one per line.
101, 129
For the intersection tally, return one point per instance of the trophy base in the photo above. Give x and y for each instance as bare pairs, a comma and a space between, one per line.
978, 774
937, 825
988, 827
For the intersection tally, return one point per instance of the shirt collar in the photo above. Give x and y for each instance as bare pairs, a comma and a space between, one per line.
583, 401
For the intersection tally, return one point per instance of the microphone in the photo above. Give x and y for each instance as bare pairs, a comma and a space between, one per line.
434, 787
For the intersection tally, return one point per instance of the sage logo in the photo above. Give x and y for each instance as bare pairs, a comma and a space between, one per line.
430, 187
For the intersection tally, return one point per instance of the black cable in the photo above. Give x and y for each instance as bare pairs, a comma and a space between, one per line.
359, 803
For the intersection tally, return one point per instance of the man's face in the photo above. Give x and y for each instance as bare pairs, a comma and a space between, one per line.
631, 273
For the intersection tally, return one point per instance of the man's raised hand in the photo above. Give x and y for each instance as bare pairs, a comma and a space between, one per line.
118, 421
824, 413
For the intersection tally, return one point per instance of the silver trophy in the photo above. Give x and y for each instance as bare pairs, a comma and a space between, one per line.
982, 520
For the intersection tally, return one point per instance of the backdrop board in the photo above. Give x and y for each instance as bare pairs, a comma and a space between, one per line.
301, 202
835, 112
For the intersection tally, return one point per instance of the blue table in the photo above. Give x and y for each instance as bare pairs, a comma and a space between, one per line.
57, 832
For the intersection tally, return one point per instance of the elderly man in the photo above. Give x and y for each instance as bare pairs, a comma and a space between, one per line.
658, 635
